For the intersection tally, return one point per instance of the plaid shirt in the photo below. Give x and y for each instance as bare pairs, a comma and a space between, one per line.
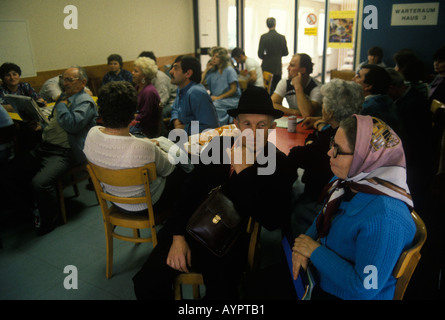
24, 89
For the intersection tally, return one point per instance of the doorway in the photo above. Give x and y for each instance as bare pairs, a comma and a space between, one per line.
306, 24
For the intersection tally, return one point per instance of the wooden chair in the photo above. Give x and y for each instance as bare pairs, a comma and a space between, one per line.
267, 79
72, 177
196, 279
435, 105
112, 216
409, 259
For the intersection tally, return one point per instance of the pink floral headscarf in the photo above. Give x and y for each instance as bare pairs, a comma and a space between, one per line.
378, 167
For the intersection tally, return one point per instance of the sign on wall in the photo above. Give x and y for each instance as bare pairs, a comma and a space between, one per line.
415, 14
341, 29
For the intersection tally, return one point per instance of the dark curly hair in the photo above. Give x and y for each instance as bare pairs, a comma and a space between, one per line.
409, 65
115, 57
117, 102
8, 67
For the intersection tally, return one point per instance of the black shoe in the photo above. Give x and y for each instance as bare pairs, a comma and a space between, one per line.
46, 228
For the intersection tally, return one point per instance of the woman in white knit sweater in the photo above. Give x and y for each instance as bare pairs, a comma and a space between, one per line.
113, 146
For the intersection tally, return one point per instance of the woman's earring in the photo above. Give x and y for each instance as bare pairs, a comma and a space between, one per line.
143, 81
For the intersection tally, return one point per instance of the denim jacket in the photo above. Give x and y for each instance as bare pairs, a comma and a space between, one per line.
77, 120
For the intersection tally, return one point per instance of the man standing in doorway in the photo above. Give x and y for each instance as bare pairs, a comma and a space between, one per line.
272, 47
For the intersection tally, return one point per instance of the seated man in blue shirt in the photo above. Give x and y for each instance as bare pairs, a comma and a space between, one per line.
62, 144
375, 82
192, 102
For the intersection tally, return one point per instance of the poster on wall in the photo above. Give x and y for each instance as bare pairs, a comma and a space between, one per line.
415, 14
341, 29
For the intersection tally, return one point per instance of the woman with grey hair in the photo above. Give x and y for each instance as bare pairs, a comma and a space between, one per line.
341, 99
222, 81
148, 118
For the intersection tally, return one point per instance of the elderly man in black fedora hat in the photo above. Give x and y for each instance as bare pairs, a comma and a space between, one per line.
265, 197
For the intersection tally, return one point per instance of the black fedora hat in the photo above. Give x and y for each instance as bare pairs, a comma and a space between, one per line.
255, 100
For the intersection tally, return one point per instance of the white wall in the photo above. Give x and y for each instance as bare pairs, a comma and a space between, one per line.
104, 27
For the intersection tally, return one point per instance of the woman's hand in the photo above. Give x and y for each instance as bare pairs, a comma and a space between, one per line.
298, 261
301, 252
305, 245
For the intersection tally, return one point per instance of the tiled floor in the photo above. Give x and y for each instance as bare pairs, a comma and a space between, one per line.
32, 268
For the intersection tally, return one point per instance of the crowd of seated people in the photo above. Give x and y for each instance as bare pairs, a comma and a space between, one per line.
378, 110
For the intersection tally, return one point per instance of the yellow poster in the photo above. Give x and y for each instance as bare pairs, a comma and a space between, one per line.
341, 29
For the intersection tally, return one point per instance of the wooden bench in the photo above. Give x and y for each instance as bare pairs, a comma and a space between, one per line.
95, 73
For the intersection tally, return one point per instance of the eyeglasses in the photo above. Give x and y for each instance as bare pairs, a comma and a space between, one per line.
68, 79
337, 150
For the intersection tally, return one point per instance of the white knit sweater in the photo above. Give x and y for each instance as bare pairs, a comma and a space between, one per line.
119, 152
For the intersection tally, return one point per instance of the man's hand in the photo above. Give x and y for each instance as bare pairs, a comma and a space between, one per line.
242, 156
179, 256
35, 126
296, 82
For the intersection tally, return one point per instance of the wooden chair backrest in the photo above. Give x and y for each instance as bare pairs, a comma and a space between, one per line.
123, 178
253, 228
409, 259
435, 105
267, 79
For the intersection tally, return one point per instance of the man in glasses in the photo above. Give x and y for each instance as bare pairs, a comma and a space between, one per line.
53, 88
61, 147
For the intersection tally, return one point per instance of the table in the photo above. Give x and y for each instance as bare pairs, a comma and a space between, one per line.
287, 140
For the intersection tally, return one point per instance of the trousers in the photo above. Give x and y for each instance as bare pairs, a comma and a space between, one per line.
222, 275
49, 162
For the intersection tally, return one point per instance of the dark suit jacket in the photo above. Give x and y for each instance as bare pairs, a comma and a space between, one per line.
266, 198
272, 47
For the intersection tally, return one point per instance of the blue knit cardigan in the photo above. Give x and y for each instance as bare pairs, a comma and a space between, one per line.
357, 257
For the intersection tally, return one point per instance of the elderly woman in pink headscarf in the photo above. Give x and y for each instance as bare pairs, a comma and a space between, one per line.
365, 223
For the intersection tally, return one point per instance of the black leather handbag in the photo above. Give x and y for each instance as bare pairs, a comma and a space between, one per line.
216, 223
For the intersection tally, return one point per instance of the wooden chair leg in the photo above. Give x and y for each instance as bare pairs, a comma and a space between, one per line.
178, 289
196, 294
109, 239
